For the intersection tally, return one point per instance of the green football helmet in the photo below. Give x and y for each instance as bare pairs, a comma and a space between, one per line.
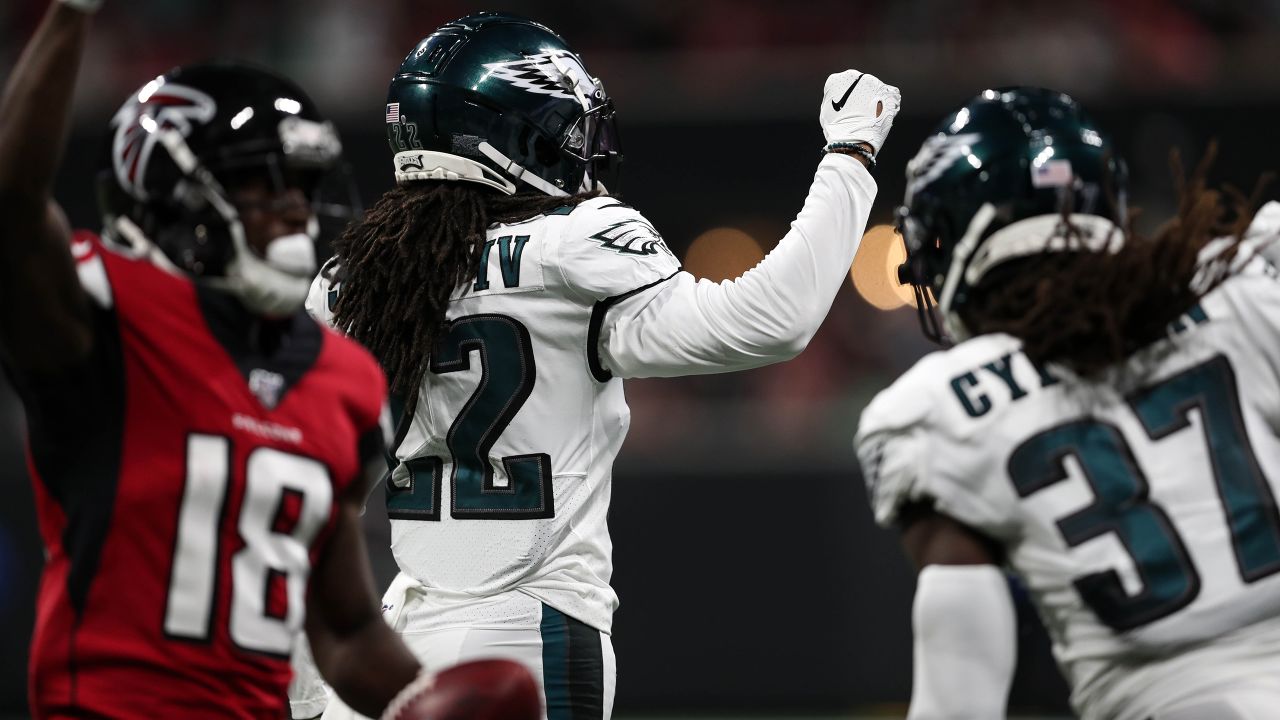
1004, 177
501, 101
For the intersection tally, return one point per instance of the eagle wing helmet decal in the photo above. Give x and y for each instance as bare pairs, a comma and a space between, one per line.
936, 156
556, 73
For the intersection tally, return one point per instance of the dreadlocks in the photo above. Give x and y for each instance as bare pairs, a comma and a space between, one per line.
401, 262
1090, 310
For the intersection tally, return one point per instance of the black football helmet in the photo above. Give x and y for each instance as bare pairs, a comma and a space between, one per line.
178, 144
501, 101
1020, 156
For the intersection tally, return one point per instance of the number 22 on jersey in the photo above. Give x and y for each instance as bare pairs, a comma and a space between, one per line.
507, 377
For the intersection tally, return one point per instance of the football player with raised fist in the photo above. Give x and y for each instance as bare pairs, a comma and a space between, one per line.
201, 448
508, 294
1104, 424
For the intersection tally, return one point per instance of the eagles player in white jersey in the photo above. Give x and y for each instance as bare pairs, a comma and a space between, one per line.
1105, 427
507, 295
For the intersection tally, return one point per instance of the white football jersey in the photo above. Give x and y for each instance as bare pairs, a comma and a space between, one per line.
1140, 511
504, 473
503, 479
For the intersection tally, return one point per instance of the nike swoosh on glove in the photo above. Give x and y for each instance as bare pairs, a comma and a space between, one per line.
850, 101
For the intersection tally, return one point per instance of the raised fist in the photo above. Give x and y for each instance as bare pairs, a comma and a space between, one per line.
858, 108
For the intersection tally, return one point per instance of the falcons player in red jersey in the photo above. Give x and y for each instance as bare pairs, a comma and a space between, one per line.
201, 449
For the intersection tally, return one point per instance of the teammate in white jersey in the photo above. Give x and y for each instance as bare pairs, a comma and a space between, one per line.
1106, 427
507, 294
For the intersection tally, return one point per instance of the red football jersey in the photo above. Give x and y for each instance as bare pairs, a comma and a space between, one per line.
185, 483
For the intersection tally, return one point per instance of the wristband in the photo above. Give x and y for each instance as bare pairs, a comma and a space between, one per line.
857, 149
85, 6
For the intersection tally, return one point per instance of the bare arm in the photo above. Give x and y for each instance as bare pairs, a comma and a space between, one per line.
356, 652
962, 617
44, 318
931, 538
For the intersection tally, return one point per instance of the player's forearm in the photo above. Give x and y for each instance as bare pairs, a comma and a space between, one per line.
767, 315
44, 315
360, 657
366, 667
35, 110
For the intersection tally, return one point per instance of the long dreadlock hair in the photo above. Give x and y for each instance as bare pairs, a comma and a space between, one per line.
1091, 310
401, 262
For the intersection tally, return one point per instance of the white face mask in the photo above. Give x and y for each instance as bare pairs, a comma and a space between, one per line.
277, 285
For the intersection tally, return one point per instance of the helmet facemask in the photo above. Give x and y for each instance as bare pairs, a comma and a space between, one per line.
938, 277
593, 141
917, 272
178, 205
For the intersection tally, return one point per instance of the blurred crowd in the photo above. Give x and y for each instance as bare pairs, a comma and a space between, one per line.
336, 46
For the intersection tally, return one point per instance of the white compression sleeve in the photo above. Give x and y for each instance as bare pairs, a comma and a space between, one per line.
965, 648
684, 326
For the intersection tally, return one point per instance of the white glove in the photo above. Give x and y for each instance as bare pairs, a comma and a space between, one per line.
857, 108
84, 6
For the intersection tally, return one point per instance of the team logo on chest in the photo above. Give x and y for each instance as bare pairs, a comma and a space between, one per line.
631, 237
267, 386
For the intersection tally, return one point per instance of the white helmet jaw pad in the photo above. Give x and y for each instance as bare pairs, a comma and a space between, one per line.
414, 165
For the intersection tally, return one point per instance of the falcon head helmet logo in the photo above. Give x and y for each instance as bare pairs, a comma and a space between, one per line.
157, 107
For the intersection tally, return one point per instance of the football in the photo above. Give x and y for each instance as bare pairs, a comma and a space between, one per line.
477, 690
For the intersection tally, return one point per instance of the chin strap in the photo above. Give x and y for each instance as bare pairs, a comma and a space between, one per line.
124, 233
955, 327
277, 285
519, 171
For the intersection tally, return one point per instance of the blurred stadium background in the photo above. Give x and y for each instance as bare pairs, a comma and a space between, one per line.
752, 577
